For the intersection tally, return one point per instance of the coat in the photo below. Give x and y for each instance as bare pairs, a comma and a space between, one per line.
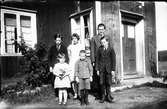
83, 69
105, 59
62, 70
53, 53
94, 45
105, 63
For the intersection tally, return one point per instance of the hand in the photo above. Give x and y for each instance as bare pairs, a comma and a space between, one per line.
77, 79
113, 76
98, 73
91, 79
112, 73
50, 69
93, 64
61, 77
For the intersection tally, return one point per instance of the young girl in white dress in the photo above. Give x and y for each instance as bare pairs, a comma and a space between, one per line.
62, 81
73, 53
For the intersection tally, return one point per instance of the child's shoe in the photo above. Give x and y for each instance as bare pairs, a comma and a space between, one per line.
64, 103
75, 96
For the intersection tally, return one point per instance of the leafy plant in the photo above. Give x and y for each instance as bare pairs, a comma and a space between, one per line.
36, 70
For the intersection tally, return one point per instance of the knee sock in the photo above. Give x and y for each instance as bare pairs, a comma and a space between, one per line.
86, 97
65, 95
82, 96
60, 95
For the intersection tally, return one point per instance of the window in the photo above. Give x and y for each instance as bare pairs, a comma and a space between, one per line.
17, 24
82, 23
10, 33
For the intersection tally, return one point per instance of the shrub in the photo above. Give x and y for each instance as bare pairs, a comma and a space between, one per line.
35, 68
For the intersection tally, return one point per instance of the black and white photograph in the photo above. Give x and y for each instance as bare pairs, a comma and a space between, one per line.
83, 54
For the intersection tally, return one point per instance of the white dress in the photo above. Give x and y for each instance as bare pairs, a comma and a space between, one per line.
57, 70
73, 51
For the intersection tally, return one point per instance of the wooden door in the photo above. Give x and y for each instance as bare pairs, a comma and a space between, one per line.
129, 49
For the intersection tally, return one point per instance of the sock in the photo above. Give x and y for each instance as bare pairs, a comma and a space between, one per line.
65, 95
60, 95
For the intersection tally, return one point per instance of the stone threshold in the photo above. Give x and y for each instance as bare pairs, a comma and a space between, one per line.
130, 83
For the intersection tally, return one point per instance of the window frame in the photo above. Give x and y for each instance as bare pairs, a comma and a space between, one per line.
18, 12
80, 15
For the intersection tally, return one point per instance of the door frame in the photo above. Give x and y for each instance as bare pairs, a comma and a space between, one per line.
138, 68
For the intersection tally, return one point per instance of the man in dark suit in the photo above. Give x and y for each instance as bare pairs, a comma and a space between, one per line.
95, 44
57, 48
105, 66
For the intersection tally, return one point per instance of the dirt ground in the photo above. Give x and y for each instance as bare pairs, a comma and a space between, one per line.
143, 97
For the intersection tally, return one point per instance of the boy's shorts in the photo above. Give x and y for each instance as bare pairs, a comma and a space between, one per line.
84, 83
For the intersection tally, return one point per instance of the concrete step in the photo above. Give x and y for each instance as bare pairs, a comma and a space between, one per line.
130, 83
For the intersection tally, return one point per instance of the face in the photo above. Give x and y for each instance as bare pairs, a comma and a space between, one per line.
58, 41
75, 40
101, 30
82, 56
104, 42
62, 60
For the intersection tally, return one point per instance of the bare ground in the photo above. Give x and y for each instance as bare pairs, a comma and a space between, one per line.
143, 97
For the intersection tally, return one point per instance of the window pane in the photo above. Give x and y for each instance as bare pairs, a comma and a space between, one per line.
86, 25
25, 21
131, 31
10, 19
77, 26
10, 33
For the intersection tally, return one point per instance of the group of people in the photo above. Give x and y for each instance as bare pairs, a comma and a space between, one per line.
72, 68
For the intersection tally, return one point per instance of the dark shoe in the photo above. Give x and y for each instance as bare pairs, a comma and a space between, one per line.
86, 97
82, 102
101, 101
87, 103
97, 98
110, 99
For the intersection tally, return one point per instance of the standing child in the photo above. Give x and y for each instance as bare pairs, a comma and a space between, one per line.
62, 81
83, 74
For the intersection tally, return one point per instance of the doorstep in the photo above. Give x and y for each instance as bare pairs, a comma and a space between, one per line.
130, 83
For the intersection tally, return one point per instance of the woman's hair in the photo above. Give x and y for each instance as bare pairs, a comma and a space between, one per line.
82, 51
61, 55
75, 35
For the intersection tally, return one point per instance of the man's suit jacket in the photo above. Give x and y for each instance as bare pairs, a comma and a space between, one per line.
94, 45
53, 53
106, 59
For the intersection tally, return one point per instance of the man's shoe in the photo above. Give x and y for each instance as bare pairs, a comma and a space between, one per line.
101, 101
97, 98
110, 99
82, 103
